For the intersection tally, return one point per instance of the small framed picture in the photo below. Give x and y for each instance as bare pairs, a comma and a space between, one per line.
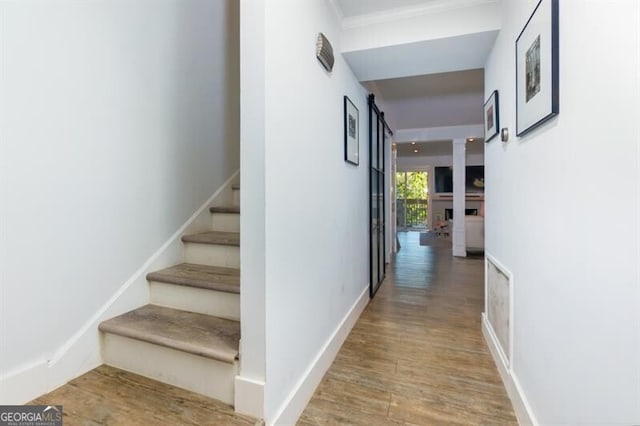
491, 117
537, 93
351, 133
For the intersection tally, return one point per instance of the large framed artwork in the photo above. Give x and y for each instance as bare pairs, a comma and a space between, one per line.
351, 130
491, 117
537, 56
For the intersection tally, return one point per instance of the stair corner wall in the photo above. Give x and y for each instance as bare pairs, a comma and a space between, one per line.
81, 352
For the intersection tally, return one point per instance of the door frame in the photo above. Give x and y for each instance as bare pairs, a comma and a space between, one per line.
377, 199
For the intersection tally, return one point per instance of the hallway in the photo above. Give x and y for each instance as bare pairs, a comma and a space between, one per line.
417, 354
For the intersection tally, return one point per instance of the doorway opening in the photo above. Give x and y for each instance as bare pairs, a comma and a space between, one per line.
412, 200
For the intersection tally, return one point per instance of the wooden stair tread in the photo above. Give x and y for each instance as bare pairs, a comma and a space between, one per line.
235, 186
214, 237
225, 209
198, 334
201, 276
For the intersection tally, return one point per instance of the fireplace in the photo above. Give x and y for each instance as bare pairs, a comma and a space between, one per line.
448, 213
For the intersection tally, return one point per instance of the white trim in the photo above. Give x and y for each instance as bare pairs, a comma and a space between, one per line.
182, 369
249, 397
400, 13
486, 284
81, 352
512, 324
17, 387
509, 275
503, 364
439, 133
521, 405
140, 273
295, 403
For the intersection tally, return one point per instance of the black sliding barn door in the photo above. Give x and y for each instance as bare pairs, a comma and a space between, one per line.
379, 134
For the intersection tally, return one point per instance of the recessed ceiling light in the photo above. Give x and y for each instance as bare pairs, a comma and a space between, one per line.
413, 143
415, 150
470, 140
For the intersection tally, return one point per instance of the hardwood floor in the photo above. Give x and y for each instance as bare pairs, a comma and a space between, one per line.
109, 396
417, 356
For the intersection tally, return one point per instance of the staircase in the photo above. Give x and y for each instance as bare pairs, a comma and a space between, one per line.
188, 336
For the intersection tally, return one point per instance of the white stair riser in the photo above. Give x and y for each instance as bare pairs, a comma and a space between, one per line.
226, 222
212, 255
195, 373
236, 197
193, 299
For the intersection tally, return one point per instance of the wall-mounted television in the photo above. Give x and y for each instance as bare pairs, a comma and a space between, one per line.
474, 179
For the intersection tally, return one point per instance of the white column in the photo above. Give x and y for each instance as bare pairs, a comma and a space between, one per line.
459, 201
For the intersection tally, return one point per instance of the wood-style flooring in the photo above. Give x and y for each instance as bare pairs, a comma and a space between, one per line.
109, 396
417, 355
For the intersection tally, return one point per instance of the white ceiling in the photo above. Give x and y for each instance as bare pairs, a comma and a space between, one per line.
461, 52
352, 8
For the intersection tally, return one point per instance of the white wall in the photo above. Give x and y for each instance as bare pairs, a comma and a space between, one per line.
250, 381
119, 119
315, 213
436, 111
562, 216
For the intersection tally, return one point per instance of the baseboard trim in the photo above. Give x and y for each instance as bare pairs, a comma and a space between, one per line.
30, 381
298, 399
81, 352
518, 399
249, 397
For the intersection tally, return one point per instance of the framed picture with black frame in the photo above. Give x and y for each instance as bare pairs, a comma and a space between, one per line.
491, 117
537, 68
351, 133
